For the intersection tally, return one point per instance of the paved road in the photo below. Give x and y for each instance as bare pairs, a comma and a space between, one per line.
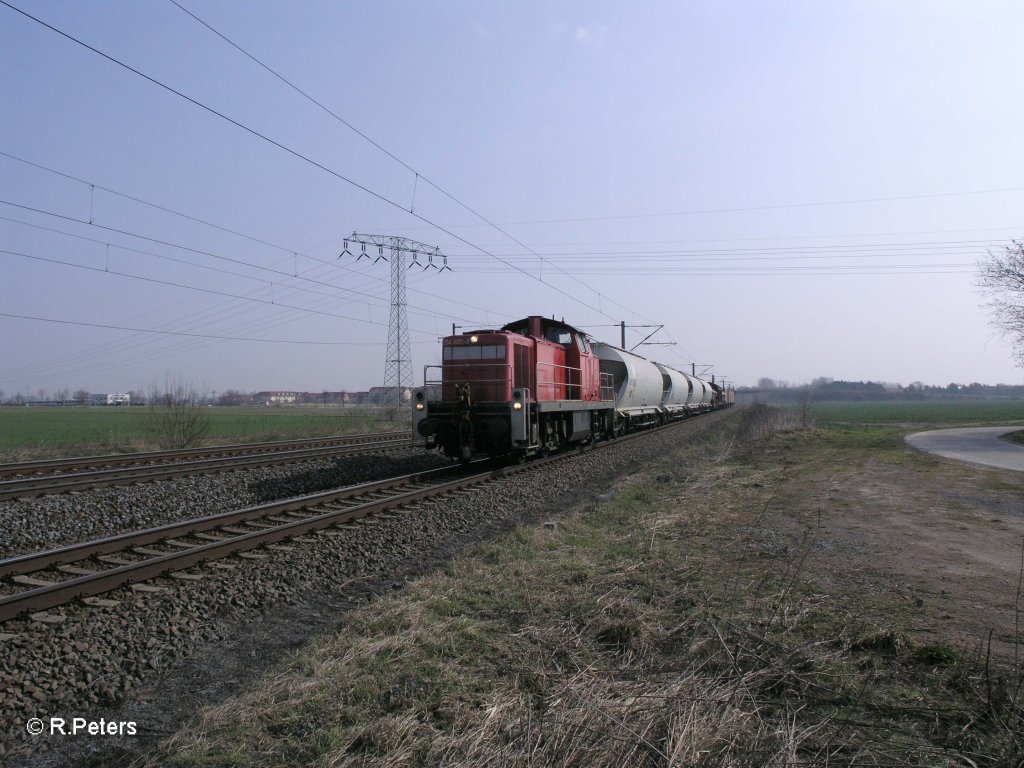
977, 445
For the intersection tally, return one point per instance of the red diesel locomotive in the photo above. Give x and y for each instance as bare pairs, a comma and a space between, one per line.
539, 384
530, 387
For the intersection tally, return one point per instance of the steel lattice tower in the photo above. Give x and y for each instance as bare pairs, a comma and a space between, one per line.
398, 375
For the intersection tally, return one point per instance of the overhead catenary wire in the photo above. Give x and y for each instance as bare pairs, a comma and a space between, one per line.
8, 4
170, 283
196, 335
417, 310
294, 153
222, 228
417, 174
755, 208
277, 272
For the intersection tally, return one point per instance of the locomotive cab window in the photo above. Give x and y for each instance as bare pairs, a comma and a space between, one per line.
558, 336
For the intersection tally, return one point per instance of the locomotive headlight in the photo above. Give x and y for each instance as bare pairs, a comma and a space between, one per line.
474, 339
420, 406
517, 406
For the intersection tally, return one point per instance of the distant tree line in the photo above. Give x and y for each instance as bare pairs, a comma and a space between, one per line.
825, 389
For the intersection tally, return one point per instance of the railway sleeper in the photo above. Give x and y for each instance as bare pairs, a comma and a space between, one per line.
76, 570
149, 551
100, 602
204, 537
114, 560
147, 589
181, 544
31, 581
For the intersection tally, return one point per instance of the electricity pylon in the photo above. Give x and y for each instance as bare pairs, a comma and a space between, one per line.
398, 364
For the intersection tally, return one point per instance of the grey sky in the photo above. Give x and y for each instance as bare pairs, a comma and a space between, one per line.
783, 185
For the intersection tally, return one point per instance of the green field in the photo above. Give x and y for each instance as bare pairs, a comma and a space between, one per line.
934, 413
27, 432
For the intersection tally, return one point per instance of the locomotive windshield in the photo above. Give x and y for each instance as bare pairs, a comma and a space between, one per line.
476, 352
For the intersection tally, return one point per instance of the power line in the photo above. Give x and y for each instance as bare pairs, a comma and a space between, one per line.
405, 165
196, 335
766, 238
783, 252
229, 230
281, 273
164, 257
922, 269
295, 153
748, 209
169, 283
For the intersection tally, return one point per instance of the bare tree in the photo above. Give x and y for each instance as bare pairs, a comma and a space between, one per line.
1001, 279
177, 418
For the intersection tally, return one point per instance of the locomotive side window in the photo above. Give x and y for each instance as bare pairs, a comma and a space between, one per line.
558, 336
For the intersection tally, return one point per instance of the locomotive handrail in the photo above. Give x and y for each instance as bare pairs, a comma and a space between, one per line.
568, 383
503, 381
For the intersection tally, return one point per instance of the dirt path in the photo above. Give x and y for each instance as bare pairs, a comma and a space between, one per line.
931, 540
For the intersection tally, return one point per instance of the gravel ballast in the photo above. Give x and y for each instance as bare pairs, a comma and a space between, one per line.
31, 525
154, 657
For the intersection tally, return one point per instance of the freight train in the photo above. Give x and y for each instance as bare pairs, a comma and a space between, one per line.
537, 385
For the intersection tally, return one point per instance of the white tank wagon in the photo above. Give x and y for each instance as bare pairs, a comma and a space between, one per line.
703, 394
637, 383
683, 393
677, 389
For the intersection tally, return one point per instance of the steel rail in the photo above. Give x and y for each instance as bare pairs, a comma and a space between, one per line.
43, 596
39, 486
38, 561
39, 466
40, 598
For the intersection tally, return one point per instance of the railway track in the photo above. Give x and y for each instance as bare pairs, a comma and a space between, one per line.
43, 580
38, 478
33, 583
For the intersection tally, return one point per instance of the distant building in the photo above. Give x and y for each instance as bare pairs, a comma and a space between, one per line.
109, 399
277, 397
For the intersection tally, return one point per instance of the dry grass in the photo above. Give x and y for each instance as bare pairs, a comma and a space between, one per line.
671, 626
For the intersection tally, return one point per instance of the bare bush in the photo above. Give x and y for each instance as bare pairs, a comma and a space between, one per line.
177, 417
760, 422
1001, 278
803, 408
